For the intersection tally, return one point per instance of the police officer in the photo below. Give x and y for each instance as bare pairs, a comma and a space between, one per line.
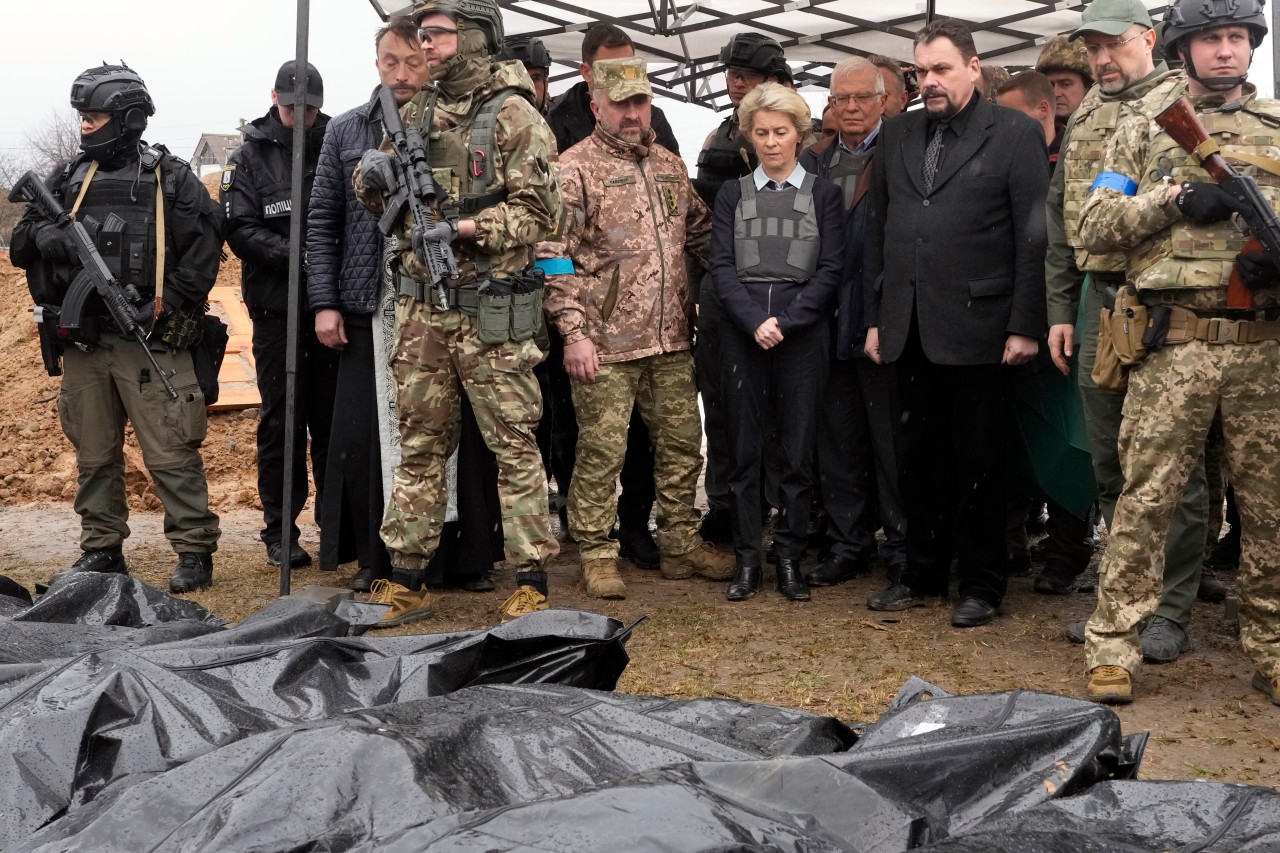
1152, 200
131, 196
749, 59
536, 59
491, 152
256, 196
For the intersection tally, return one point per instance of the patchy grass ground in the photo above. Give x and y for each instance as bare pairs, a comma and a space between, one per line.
830, 656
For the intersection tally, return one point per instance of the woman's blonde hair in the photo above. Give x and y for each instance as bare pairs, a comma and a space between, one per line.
775, 98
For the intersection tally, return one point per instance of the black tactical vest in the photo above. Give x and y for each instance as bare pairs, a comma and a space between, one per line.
119, 212
721, 160
775, 232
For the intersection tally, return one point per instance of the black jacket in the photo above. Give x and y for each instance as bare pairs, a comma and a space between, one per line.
344, 247
967, 260
193, 245
797, 307
572, 121
256, 199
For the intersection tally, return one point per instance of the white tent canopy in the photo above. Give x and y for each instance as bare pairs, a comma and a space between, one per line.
682, 38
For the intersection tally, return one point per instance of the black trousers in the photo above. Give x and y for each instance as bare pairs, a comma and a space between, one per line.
558, 440
955, 421
316, 384
707, 360
785, 381
860, 459
351, 509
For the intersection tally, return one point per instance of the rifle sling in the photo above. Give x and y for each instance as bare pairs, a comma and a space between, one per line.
1210, 147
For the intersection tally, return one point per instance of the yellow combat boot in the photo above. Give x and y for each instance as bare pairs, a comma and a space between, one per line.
407, 605
1110, 685
523, 601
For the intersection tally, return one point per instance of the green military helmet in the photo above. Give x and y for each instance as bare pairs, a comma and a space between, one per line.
485, 14
757, 52
1060, 53
527, 50
1186, 17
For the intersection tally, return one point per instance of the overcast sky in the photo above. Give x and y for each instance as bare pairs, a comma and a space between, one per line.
210, 65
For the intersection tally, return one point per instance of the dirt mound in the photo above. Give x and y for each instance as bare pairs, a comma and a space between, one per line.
38, 463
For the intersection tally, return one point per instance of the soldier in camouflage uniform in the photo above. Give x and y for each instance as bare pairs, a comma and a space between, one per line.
439, 353
1067, 68
1152, 201
1129, 84
626, 316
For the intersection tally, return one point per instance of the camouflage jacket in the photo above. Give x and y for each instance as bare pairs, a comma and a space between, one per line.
1164, 250
523, 149
1095, 120
630, 221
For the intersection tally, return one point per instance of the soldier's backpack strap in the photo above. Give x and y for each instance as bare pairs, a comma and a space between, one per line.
480, 141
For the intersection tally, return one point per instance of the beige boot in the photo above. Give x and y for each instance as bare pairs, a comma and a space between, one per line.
602, 580
1111, 685
705, 561
407, 605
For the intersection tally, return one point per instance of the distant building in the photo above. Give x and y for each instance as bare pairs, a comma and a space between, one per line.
212, 152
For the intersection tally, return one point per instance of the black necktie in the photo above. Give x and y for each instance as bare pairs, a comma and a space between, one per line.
772, 185
932, 154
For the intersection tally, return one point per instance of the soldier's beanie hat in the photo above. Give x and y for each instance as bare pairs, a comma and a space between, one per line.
621, 78
287, 81
1062, 54
1112, 17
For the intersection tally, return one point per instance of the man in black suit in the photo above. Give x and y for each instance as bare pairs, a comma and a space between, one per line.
955, 257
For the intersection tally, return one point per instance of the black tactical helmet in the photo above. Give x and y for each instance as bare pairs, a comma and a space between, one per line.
485, 14
115, 89
757, 52
1186, 17
528, 50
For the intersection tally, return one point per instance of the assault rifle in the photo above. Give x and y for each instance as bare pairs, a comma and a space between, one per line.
1260, 219
419, 193
94, 277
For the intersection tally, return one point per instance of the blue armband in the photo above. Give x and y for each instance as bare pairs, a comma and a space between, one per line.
1114, 181
555, 266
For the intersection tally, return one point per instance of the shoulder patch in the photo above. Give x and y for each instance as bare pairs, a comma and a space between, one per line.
228, 177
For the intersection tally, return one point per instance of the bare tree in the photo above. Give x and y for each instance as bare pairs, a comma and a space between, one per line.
56, 141
11, 168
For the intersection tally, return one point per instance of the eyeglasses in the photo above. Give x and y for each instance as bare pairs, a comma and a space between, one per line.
1110, 46
863, 98
430, 34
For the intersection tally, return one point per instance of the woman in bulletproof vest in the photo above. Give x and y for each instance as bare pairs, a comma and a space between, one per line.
776, 253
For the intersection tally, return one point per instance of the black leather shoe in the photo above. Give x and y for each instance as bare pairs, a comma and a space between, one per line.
477, 583
298, 556
636, 544
363, 581
1055, 579
1212, 589
897, 597
109, 560
745, 583
836, 570
194, 572
972, 612
790, 582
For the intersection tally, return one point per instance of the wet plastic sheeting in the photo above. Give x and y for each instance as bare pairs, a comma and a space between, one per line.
1136, 817
372, 776
965, 759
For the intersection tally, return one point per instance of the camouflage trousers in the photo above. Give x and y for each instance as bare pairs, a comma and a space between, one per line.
662, 387
1172, 398
438, 356
103, 389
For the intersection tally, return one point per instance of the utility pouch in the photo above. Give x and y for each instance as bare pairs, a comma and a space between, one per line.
1128, 325
493, 316
182, 329
1157, 331
1108, 373
526, 315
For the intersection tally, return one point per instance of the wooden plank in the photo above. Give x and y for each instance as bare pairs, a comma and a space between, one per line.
237, 380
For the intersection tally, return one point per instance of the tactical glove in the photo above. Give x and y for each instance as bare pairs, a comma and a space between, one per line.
1204, 203
379, 171
1257, 270
55, 245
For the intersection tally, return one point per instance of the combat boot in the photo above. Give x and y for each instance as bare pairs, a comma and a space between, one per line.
407, 605
1110, 685
523, 601
705, 561
602, 580
109, 560
194, 572
1269, 686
